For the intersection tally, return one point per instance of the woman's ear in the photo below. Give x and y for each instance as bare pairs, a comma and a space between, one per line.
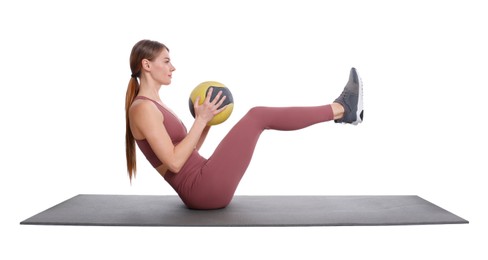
146, 64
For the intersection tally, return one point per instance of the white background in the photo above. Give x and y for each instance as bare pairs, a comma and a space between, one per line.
64, 71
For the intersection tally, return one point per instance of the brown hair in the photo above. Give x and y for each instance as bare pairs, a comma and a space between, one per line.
144, 49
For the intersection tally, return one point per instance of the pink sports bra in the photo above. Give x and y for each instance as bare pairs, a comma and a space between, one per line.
176, 130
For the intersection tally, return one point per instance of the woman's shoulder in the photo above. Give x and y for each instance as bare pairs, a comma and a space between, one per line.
143, 107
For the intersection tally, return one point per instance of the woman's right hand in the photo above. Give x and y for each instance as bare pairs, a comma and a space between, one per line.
208, 109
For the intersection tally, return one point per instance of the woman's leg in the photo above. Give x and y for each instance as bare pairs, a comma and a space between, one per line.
219, 178
225, 167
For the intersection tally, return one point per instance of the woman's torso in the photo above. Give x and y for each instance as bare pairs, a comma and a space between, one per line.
175, 128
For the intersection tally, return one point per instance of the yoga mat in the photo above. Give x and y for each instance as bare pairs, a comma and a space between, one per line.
168, 210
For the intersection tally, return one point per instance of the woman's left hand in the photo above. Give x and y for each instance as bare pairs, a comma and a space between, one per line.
209, 108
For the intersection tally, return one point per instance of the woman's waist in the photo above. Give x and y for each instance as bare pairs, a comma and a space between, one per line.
192, 165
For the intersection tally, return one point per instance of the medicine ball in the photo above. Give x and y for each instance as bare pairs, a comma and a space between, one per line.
201, 91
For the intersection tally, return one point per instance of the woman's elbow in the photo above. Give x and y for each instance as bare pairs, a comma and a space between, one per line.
175, 167
175, 163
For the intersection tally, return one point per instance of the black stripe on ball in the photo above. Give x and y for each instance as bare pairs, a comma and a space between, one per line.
225, 92
192, 108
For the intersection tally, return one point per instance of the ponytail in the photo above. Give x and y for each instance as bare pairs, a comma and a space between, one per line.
130, 144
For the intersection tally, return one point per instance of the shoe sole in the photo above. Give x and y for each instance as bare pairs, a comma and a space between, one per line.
359, 111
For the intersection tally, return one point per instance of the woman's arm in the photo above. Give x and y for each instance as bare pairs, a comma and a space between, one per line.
147, 120
203, 136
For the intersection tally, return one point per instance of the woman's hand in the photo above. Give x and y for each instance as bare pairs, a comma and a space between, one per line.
208, 109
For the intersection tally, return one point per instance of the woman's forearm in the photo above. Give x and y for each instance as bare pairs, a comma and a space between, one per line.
183, 150
203, 137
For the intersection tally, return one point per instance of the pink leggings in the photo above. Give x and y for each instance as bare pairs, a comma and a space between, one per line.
215, 183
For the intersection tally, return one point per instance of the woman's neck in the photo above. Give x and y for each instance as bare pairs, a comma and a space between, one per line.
149, 90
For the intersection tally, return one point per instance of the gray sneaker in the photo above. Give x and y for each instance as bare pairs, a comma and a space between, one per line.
352, 100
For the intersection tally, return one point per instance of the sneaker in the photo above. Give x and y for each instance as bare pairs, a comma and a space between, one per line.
352, 100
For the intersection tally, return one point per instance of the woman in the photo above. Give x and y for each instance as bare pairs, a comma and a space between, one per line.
173, 151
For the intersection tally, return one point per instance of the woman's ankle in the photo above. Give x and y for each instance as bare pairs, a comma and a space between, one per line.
337, 110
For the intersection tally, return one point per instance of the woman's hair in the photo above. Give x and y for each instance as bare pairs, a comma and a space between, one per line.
144, 49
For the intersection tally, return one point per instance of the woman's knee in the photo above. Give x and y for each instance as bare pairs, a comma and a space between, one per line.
255, 112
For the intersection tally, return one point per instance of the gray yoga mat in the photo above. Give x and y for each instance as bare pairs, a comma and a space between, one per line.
152, 210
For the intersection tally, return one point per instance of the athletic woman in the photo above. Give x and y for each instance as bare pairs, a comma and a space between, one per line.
208, 183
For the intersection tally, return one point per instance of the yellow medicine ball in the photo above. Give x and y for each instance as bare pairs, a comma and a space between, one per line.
201, 91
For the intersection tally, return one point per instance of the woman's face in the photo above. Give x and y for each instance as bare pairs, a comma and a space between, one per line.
161, 68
